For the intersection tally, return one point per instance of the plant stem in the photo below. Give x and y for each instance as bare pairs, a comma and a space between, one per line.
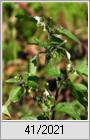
56, 97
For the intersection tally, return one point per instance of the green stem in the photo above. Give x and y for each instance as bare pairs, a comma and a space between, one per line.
58, 91
56, 97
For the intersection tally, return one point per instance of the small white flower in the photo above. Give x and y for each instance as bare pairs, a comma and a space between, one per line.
38, 19
75, 73
44, 28
43, 24
68, 55
46, 93
65, 41
69, 67
15, 77
39, 22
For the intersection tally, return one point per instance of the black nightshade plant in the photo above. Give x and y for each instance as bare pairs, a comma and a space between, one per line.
54, 80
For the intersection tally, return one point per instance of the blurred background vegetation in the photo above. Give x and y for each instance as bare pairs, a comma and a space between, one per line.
17, 36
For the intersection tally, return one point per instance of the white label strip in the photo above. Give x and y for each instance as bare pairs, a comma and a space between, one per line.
44, 130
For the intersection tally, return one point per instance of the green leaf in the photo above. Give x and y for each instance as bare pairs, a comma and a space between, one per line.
69, 108
51, 68
32, 84
80, 87
82, 69
25, 17
80, 97
55, 40
5, 110
13, 80
41, 44
26, 76
33, 78
15, 94
67, 33
53, 72
29, 117
32, 66
44, 107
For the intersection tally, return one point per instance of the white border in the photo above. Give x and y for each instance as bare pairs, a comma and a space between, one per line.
88, 66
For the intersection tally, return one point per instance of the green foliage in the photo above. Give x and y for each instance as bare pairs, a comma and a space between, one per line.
80, 87
32, 84
73, 109
80, 92
28, 117
39, 84
69, 9
13, 80
82, 69
15, 94
68, 34
32, 68
53, 72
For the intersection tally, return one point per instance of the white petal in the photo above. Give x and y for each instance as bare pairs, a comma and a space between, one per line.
65, 41
68, 67
38, 19
46, 93
44, 29
68, 55
39, 22
75, 73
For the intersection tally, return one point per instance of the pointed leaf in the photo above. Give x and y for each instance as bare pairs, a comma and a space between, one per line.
32, 68
13, 80
80, 87
68, 108
68, 34
82, 69
15, 94
53, 72
55, 40
32, 84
